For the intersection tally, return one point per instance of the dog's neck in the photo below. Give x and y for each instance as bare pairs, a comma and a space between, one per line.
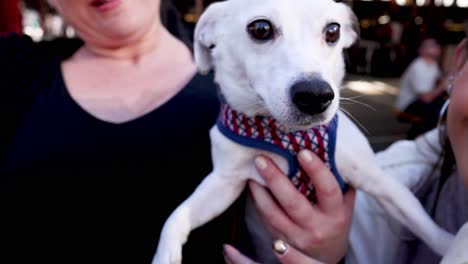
266, 133
228, 114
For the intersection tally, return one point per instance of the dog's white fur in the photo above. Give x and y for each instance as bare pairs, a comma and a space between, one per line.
256, 78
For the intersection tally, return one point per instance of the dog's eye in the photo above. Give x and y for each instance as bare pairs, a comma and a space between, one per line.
332, 33
261, 30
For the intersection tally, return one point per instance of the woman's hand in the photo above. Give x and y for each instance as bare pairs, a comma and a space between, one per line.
320, 230
285, 254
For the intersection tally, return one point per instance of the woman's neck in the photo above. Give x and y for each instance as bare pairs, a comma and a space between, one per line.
133, 50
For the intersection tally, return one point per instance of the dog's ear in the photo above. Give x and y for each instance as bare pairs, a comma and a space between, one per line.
206, 35
351, 27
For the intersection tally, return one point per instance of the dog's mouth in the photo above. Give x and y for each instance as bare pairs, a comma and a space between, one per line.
304, 122
301, 121
257, 107
292, 119
294, 123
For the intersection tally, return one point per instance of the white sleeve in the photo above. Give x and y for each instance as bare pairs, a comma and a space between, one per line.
375, 237
420, 79
410, 161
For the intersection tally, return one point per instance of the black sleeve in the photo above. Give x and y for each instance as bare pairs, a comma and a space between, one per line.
15, 59
16, 72
25, 67
22, 59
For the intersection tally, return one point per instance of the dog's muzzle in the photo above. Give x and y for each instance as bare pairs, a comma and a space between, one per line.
312, 97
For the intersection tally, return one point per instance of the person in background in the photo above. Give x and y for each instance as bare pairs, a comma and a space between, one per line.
435, 167
420, 99
421, 75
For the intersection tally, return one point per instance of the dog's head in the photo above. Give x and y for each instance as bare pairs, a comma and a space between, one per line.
276, 57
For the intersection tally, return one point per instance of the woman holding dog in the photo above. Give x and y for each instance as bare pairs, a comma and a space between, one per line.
101, 137
104, 136
435, 165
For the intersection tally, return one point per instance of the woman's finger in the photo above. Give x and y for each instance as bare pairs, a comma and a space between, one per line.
349, 199
289, 255
270, 212
328, 191
233, 256
294, 204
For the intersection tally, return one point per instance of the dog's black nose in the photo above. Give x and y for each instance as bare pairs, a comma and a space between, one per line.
312, 96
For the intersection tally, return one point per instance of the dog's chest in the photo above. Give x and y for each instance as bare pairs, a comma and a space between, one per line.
266, 134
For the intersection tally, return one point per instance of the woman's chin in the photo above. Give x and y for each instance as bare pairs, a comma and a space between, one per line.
118, 35
120, 30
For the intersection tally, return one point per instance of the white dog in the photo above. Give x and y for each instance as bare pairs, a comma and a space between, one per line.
283, 59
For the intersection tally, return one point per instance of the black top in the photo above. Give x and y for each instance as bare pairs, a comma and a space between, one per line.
75, 189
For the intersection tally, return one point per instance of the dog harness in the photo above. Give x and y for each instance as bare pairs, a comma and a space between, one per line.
265, 133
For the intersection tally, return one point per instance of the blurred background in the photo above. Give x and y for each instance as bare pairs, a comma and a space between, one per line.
391, 33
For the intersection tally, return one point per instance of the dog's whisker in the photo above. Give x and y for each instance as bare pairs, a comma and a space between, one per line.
259, 110
355, 119
359, 103
274, 116
236, 106
355, 97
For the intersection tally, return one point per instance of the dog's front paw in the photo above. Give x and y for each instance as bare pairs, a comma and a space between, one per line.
173, 236
168, 254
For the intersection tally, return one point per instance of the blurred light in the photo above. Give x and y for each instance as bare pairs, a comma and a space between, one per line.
401, 2
438, 2
70, 32
372, 87
454, 27
385, 19
36, 33
448, 3
54, 24
418, 20
32, 25
462, 3
190, 18
420, 2
365, 23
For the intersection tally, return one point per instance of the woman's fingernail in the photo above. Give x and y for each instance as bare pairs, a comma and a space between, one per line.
280, 247
261, 163
306, 156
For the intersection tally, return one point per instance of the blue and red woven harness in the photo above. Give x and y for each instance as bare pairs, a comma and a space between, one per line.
266, 134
